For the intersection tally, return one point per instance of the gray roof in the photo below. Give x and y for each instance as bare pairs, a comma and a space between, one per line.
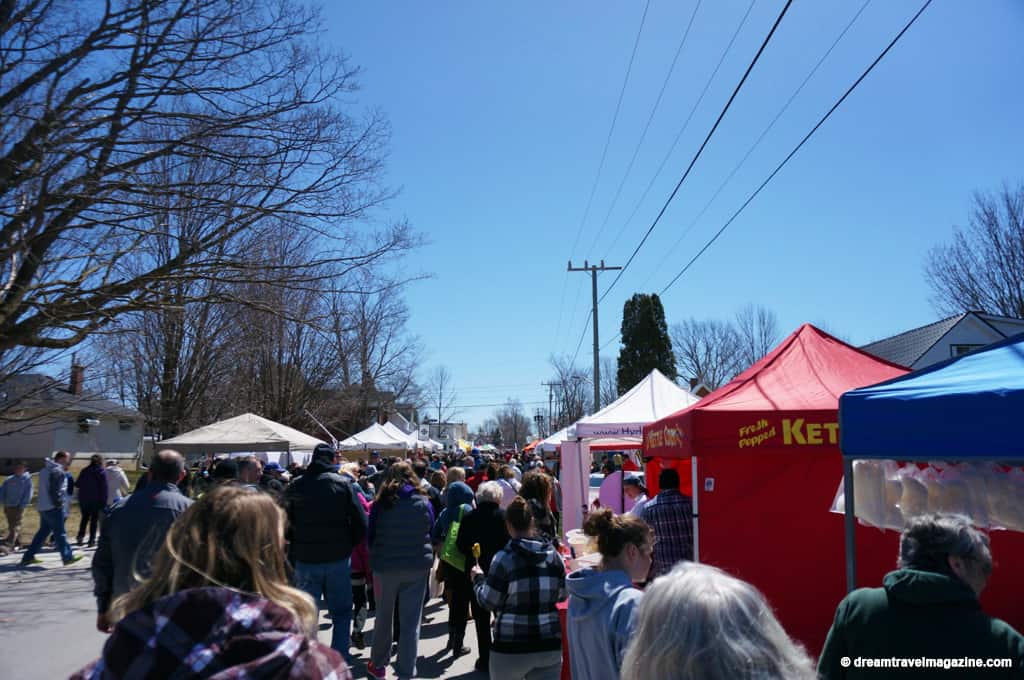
906, 348
36, 392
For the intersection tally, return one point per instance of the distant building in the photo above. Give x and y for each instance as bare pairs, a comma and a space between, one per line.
698, 388
950, 337
40, 415
446, 433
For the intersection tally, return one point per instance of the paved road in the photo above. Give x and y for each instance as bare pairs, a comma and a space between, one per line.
47, 617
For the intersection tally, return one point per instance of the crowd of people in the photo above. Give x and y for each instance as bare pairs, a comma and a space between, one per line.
219, 571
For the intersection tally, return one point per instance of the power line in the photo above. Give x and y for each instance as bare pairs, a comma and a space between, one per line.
493, 387
600, 166
647, 126
575, 306
798, 146
703, 145
586, 325
682, 129
500, 403
668, 254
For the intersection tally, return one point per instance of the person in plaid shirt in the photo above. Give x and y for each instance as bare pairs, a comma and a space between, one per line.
525, 581
217, 604
670, 515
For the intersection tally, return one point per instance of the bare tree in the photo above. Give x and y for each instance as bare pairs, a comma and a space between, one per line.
490, 431
285, 353
609, 382
708, 351
573, 391
106, 106
376, 352
441, 395
513, 424
983, 268
758, 333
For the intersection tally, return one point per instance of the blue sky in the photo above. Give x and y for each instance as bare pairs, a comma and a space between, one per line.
500, 112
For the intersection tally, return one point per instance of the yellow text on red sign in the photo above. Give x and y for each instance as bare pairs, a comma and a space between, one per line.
796, 431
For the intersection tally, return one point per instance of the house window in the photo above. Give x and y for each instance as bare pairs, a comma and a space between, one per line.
960, 350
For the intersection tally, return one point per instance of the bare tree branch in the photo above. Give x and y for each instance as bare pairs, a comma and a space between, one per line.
983, 268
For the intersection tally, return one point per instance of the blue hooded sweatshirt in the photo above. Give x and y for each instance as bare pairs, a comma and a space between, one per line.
456, 495
601, 621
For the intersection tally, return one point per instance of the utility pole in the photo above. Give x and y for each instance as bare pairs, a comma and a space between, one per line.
551, 393
594, 269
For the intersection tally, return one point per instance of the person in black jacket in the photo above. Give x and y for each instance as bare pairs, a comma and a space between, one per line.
484, 525
325, 521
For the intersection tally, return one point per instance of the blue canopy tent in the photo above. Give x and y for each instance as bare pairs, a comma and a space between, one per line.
958, 409
963, 409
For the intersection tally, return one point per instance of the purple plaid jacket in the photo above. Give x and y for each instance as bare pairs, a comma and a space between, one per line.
214, 633
670, 515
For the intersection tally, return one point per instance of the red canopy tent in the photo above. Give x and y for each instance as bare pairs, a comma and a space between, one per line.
768, 466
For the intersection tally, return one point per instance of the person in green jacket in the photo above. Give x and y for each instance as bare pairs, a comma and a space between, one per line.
926, 612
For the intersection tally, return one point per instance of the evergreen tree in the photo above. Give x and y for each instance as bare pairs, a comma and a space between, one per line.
645, 342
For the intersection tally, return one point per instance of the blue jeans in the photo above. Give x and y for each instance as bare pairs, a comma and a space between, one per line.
407, 588
50, 521
333, 580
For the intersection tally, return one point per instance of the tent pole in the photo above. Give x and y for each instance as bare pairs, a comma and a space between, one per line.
696, 514
584, 480
851, 526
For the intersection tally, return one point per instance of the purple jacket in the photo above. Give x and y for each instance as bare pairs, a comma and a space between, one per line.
92, 485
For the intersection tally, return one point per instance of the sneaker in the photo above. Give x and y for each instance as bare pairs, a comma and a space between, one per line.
358, 641
76, 558
34, 560
376, 671
460, 651
482, 666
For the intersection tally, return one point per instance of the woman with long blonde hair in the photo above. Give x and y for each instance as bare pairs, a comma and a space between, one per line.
218, 601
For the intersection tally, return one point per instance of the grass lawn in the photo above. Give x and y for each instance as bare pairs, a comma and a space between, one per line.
30, 523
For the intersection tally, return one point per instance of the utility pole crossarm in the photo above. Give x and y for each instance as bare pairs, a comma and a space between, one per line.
594, 269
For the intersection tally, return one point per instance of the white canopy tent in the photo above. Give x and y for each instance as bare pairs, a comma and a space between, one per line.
412, 437
554, 442
619, 425
247, 433
377, 437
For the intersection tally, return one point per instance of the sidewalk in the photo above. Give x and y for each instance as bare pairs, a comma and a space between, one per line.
48, 615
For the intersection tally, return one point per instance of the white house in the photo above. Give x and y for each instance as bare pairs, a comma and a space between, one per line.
950, 337
39, 416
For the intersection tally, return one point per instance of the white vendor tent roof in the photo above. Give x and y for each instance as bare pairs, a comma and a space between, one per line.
430, 445
377, 436
412, 437
602, 444
620, 423
247, 432
651, 399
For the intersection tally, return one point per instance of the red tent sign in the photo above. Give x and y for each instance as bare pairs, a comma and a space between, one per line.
795, 432
665, 437
769, 432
